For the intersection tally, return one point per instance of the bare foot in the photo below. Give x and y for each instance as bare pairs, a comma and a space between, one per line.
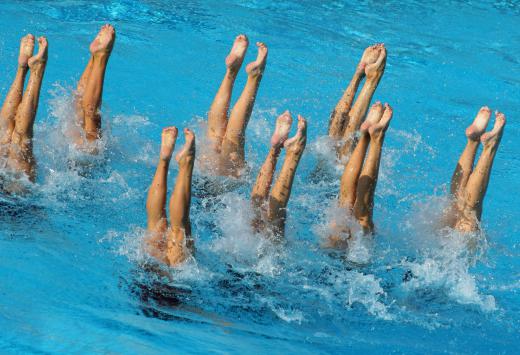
104, 40
188, 150
283, 127
41, 56
296, 144
373, 116
495, 134
26, 50
478, 127
257, 67
377, 68
370, 56
238, 51
168, 138
378, 130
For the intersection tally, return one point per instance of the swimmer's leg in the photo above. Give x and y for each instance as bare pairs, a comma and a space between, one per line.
339, 117
374, 72
100, 48
217, 115
234, 138
276, 211
179, 242
465, 164
264, 179
479, 179
15, 93
350, 177
21, 150
363, 207
156, 200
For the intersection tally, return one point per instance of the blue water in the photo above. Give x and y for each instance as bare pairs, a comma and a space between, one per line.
69, 252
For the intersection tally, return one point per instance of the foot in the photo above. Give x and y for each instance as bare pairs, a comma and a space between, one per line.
376, 69
238, 51
370, 56
188, 150
373, 117
478, 127
281, 132
41, 56
26, 50
378, 130
104, 40
297, 143
495, 134
256, 68
168, 138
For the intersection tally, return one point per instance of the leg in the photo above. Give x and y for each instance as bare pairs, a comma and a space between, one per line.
100, 48
156, 200
276, 211
179, 242
479, 179
373, 72
20, 152
217, 115
264, 179
349, 180
14, 95
363, 207
233, 143
339, 117
80, 91
465, 164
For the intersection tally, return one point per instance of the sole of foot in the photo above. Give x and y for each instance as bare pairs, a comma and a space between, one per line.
257, 67
478, 127
377, 68
168, 138
494, 136
297, 143
41, 56
104, 41
283, 127
373, 116
238, 51
378, 130
188, 150
26, 50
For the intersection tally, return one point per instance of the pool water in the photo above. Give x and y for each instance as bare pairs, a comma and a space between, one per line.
70, 250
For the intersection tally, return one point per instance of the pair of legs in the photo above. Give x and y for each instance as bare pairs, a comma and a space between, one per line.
227, 136
171, 244
346, 118
359, 180
270, 205
20, 107
90, 87
468, 185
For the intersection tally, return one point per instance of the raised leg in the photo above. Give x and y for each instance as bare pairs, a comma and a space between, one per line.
20, 152
100, 48
156, 200
294, 147
179, 242
264, 179
350, 177
363, 207
234, 138
374, 72
465, 164
339, 117
15, 93
80, 91
217, 115
478, 181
